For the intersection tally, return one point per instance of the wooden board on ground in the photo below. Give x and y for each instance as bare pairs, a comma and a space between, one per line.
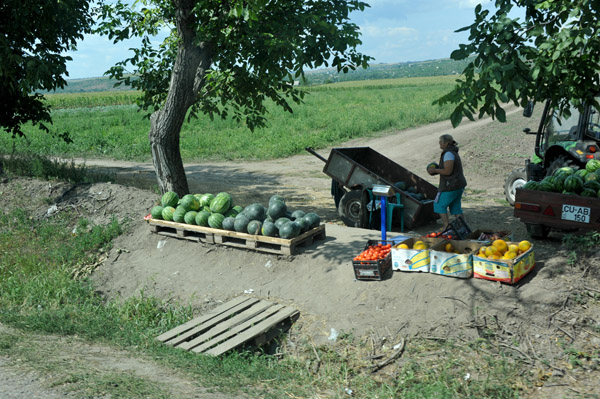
239, 321
234, 239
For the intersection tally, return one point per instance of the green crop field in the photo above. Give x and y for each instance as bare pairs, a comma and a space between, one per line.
108, 124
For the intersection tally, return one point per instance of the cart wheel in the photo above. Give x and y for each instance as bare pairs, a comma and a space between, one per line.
350, 208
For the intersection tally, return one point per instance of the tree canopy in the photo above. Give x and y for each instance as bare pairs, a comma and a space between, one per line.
552, 54
225, 59
34, 37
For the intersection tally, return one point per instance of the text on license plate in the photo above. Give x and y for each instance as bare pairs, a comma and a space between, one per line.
575, 213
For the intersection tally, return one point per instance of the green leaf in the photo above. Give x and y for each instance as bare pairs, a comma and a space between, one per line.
500, 114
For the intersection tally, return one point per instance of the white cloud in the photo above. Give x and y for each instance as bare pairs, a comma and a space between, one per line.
470, 3
389, 32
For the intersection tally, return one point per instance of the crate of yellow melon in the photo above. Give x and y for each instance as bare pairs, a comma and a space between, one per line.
453, 258
504, 261
412, 255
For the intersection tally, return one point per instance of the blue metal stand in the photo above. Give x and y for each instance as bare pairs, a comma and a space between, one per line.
383, 218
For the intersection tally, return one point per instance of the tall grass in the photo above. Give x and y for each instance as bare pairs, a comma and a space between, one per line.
109, 125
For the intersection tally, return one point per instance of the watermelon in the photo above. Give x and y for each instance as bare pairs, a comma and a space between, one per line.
289, 230
312, 219
254, 227
206, 199
202, 218
547, 184
569, 192
276, 197
179, 214
592, 184
268, 229
215, 220
281, 221
169, 198
221, 203
231, 213
582, 173
190, 202
237, 208
588, 192
432, 165
298, 214
559, 182
595, 176
241, 225
304, 226
228, 223
574, 184
167, 213
190, 217
531, 185
156, 212
565, 169
592, 165
255, 211
277, 209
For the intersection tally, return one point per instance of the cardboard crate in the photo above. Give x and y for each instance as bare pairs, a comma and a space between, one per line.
370, 270
413, 260
476, 235
506, 271
453, 264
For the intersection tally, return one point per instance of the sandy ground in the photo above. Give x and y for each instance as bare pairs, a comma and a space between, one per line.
319, 281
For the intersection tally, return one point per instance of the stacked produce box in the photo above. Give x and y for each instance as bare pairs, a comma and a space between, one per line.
497, 259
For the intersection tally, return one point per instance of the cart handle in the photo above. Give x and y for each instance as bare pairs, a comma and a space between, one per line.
309, 149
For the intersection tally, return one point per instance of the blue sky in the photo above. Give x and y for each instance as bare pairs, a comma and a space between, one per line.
392, 31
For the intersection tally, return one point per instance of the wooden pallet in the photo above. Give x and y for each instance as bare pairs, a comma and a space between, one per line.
234, 239
239, 321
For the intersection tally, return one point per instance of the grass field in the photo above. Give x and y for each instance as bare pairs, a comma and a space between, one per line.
108, 124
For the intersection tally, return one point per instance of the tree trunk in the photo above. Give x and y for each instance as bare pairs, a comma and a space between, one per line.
187, 78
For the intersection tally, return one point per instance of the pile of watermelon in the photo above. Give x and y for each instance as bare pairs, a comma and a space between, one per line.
219, 212
567, 180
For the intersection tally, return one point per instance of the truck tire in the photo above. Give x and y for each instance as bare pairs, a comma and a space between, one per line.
517, 178
350, 208
538, 231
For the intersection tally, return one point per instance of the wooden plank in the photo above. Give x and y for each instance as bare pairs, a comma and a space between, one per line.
241, 327
227, 324
252, 332
234, 239
211, 322
201, 319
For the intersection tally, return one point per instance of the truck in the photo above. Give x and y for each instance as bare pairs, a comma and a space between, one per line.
567, 140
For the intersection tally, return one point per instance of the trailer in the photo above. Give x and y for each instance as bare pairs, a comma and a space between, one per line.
543, 211
355, 170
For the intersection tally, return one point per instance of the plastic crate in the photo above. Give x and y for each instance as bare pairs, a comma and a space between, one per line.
372, 270
458, 229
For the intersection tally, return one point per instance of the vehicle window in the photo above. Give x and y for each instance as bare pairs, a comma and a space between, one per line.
593, 129
562, 128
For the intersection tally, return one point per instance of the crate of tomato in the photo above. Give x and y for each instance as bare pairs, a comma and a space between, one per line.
374, 261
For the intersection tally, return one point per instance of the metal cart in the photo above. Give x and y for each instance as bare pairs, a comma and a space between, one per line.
355, 170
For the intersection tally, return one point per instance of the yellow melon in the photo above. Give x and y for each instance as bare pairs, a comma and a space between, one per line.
500, 245
524, 246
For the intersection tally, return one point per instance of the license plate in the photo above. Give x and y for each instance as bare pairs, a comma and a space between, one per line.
576, 213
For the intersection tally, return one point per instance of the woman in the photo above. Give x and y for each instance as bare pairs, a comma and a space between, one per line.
452, 180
